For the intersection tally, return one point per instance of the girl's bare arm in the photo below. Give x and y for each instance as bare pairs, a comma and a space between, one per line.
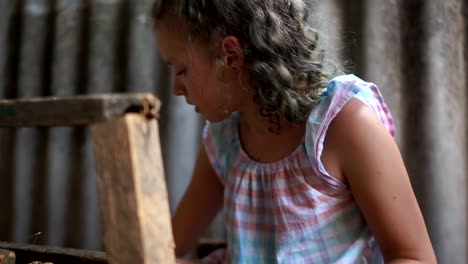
371, 163
199, 205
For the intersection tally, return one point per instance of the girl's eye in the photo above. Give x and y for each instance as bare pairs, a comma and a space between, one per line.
180, 72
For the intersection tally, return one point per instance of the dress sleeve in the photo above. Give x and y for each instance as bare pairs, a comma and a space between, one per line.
338, 93
217, 141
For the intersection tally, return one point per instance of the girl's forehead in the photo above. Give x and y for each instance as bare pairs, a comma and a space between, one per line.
176, 43
171, 41
172, 28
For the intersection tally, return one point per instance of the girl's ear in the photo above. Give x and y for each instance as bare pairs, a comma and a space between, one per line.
231, 53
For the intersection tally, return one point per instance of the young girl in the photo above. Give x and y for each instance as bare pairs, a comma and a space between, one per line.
304, 165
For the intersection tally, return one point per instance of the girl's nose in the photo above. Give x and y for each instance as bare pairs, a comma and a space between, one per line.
178, 88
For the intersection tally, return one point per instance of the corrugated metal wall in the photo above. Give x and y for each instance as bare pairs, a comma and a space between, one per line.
415, 50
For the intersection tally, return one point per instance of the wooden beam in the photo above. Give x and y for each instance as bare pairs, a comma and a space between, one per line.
26, 253
7, 257
132, 191
76, 110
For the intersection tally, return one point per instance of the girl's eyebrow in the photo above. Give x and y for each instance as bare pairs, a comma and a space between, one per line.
168, 61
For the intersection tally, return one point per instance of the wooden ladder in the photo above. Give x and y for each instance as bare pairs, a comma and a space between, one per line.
132, 190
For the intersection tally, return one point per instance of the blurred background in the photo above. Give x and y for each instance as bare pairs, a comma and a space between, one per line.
414, 50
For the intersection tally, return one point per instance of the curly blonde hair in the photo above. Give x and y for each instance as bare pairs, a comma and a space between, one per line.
280, 48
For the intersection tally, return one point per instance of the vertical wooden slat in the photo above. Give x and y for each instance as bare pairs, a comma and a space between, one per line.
8, 21
142, 48
12, 49
465, 44
84, 47
417, 93
445, 128
327, 18
435, 141
63, 83
82, 191
29, 167
354, 20
41, 208
58, 163
34, 38
102, 53
92, 235
26, 173
94, 71
6, 183
64, 193
414, 68
121, 51
428, 93
6, 10
66, 47
89, 80
383, 55
132, 191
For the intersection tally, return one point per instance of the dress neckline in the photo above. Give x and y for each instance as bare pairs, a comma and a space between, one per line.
275, 164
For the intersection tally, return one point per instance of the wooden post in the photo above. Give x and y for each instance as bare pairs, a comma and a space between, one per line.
7, 257
132, 190
131, 183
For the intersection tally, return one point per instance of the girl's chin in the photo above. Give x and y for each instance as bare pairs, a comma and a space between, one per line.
215, 119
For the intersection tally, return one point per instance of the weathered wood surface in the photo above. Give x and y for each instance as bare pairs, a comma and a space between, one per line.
74, 110
132, 190
7, 257
26, 253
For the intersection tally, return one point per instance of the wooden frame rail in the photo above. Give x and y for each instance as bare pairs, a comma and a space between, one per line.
132, 189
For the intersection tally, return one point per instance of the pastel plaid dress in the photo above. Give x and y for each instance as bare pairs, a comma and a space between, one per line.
292, 210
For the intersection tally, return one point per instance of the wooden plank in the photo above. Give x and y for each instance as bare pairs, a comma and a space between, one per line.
74, 110
102, 45
7, 18
142, 63
132, 189
66, 155
26, 253
7, 257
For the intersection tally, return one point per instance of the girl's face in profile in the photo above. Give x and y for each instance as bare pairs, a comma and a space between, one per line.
195, 73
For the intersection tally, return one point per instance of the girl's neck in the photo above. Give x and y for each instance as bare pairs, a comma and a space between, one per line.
258, 125
252, 122
257, 139
261, 144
